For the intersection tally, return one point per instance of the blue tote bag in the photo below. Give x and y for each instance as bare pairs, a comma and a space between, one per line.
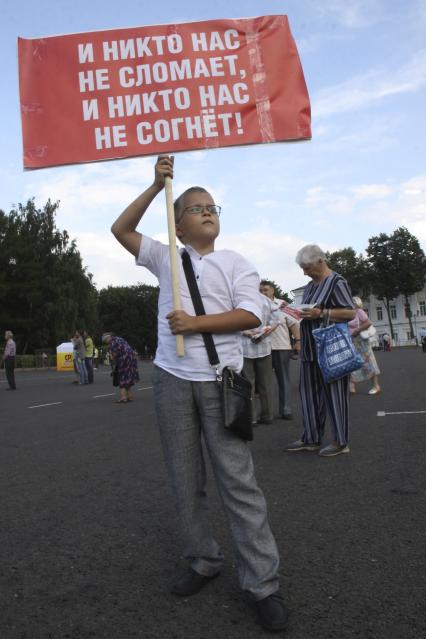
337, 356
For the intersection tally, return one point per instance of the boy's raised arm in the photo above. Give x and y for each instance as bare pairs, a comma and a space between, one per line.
124, 227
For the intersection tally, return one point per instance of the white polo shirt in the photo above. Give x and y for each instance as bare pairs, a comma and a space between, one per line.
280, 338
226, 282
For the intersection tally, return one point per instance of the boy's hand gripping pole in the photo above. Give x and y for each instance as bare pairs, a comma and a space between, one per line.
180, 350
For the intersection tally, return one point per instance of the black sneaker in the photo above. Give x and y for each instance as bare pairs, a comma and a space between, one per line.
190, 582
272, 613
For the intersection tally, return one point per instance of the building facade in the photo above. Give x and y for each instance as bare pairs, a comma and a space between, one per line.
377, 312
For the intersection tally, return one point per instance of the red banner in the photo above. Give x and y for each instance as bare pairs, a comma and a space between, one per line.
160, 89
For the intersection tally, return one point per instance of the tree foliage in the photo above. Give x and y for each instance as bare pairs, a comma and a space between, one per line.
45, 293
131, 312
398, 267
353, 268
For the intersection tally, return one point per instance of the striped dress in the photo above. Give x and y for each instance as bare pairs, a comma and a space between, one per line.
318, 398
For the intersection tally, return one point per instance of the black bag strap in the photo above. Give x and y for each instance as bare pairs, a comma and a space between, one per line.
199, 307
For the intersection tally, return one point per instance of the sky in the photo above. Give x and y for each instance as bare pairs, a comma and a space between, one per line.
363, 172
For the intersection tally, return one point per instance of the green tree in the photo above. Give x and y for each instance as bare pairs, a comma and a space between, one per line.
45, 292
353, 268
398, 267
131, 312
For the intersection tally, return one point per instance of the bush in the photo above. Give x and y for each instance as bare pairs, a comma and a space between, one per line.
25, 361
35, 361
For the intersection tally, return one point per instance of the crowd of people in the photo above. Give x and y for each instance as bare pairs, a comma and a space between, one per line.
119, 355
251, 333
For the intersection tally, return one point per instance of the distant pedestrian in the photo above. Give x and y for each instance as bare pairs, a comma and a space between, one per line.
125, 364
370, 369
8, 359
75, 361
387, 342
88, 356
81, 358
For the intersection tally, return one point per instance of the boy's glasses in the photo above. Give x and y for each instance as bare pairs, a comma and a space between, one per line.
214, 209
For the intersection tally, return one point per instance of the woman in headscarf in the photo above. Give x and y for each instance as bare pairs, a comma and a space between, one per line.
125, 364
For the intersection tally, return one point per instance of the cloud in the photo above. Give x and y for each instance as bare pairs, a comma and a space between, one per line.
366, 134
329, 201
372, 191
91, 191
272, 254
361, 91
109, 263
378, 207
268, 204
355, 14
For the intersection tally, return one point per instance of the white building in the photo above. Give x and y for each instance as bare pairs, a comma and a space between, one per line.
377, 312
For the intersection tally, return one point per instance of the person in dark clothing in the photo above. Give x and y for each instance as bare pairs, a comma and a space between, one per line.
8, 360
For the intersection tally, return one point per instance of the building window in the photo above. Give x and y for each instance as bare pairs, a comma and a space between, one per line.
379, 311
422, 307
392, 309
408, 335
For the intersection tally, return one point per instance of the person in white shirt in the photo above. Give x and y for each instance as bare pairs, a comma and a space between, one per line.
187, 395
282, 350
258, 361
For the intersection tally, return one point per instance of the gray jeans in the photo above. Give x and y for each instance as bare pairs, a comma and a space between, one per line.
185, 411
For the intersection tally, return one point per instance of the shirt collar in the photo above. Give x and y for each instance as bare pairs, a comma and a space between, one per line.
192, 252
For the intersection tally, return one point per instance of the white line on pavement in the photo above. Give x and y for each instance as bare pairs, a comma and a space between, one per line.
145, 388
382, 413
107, 395
42, 405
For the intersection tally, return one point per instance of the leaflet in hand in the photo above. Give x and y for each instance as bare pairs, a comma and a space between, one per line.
260, 333
294, 310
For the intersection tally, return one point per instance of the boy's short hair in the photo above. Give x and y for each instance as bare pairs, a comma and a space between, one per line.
178, 203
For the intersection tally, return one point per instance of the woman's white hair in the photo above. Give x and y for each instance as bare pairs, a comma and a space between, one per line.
358, 302
310, 254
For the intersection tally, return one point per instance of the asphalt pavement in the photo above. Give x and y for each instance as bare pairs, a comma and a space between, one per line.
88, 539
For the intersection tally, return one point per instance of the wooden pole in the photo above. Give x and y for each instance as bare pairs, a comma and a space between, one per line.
180, 350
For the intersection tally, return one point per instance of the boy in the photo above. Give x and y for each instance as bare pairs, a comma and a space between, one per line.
187, 395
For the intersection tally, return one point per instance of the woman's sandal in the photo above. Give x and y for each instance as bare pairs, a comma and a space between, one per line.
121, 401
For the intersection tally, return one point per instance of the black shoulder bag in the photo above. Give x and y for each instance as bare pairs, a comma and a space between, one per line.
235, 389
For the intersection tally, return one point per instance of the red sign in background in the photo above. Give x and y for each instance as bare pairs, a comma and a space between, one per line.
159, 89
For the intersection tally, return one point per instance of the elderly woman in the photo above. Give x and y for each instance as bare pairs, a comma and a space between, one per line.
328, 299
370, 369
125, 363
